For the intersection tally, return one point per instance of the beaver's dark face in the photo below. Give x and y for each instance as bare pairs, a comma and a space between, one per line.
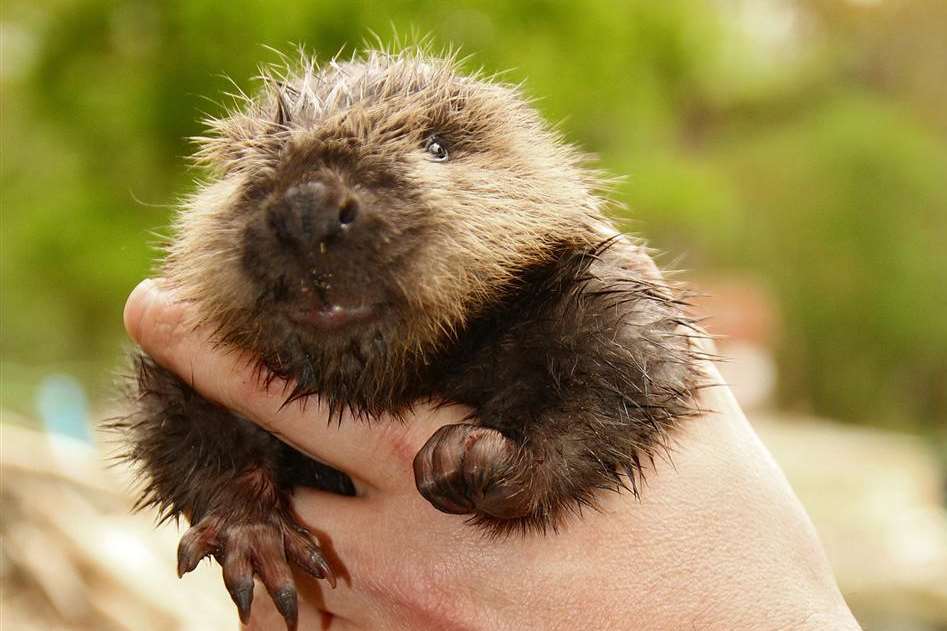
330, 240
367, 210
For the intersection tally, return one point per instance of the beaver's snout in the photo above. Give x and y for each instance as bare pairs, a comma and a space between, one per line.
314, 214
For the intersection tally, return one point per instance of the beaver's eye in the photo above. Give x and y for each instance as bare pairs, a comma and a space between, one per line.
436, 148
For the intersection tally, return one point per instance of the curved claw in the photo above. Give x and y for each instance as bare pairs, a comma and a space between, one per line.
238, 577
287, 603
243, 597
197, 543
301, 550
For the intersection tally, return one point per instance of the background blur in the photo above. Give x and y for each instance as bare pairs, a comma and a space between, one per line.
792, 155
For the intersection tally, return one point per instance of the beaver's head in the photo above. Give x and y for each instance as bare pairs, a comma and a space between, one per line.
363, 212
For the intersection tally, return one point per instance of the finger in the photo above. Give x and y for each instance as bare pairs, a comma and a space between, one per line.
353, 540
637, 256
378, 452
391, 550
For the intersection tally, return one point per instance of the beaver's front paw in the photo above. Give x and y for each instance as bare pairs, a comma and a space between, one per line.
261, 544
468, 469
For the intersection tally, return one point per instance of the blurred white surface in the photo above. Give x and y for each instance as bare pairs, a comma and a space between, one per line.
74, 557
876, 498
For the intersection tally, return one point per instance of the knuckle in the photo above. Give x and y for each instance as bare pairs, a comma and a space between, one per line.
400, 443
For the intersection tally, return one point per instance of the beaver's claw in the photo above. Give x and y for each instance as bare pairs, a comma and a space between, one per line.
261, 546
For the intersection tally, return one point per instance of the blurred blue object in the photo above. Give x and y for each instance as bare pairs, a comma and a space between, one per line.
62, 405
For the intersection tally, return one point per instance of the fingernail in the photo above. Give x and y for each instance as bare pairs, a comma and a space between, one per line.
136, 305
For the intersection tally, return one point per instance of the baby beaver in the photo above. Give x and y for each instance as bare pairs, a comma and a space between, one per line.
383, 231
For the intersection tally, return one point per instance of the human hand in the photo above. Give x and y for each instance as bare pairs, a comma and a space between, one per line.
717, 541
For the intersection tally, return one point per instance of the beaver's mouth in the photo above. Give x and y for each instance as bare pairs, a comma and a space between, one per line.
329, 316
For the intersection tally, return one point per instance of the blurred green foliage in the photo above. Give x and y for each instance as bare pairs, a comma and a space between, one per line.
801, 142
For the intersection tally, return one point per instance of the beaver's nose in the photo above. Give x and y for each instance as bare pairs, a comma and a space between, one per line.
321, 211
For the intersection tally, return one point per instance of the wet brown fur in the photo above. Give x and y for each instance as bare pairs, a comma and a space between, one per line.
502, 288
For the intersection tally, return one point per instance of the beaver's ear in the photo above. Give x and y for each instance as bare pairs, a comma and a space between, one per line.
281, 117
248, 132
286, 101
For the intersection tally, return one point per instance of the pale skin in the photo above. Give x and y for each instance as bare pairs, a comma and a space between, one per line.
718, 539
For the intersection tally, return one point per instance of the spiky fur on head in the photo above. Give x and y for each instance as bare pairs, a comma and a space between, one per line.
451, 237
